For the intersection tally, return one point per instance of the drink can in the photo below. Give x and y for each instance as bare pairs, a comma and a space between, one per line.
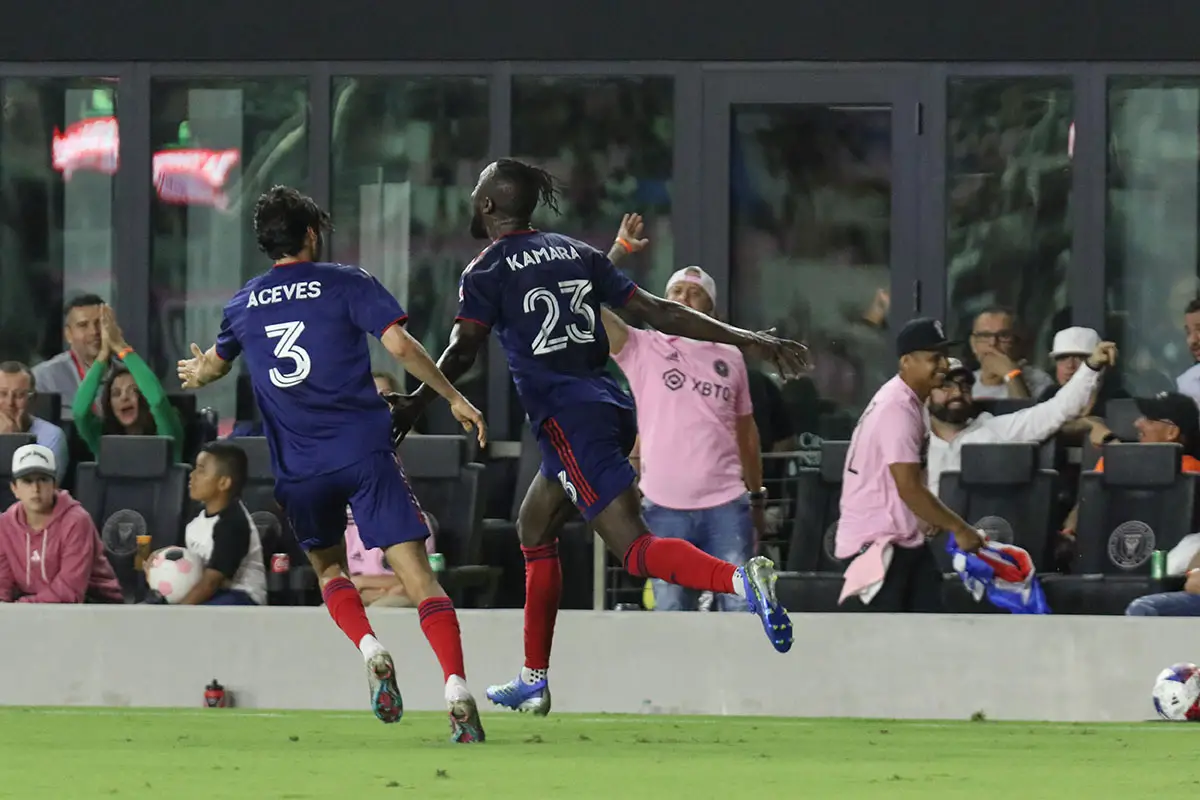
280, 562
1158, 564
437, 562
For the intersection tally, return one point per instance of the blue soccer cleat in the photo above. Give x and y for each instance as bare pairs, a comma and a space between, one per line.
385, 694
758, 577
521, 696
465, 727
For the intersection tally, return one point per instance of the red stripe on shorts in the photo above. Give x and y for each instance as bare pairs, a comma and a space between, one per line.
565, 454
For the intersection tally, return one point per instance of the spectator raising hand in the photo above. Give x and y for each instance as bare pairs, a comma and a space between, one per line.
133, 401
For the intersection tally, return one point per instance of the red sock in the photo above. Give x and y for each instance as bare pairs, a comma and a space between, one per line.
543, 591
346, 608
678, 562
440, 624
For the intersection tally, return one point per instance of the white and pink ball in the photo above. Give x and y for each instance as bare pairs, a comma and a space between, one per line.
174, 571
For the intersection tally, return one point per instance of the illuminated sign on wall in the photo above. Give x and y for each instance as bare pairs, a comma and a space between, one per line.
183, 176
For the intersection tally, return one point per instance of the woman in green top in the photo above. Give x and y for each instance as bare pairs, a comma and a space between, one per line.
133, 400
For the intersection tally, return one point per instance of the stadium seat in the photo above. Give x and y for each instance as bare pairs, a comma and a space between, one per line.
1120, 414
9, 442
814, 526
1001, 490
450, 489
199, 428
133, 489
1139, 504
502, 546
47, 406
1004, 405
273, 530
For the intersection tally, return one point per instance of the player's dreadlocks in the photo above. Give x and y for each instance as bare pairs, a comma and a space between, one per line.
282, 217
523, 186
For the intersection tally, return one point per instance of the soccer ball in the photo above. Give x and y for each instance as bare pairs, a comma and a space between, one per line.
174, 571
1177, 693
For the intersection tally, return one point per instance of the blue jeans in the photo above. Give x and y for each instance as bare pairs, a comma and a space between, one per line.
725, 532
1167, 604
230, 597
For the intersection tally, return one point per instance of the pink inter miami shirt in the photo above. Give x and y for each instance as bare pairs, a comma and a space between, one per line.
890, 431
689, 395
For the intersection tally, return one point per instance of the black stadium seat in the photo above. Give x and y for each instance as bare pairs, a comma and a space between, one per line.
9, 442
273, 529
1001, 490
47, 406
818, 501
133, 489
1139, 504
449, 488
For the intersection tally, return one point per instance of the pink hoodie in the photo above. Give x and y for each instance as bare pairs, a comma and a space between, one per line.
62, 563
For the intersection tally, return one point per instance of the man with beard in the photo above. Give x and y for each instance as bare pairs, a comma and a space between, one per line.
543, 294
954, 419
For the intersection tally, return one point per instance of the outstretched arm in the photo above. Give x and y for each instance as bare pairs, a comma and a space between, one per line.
203, 368
677, 319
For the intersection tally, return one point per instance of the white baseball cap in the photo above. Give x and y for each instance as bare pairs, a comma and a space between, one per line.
1074, 342
695, 275
33, 459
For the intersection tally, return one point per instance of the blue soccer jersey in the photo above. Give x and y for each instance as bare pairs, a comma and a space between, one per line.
302, 330
542, 294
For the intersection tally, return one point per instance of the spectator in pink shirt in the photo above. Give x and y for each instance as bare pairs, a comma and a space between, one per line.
887, 511
698, 446
376, 583
50, 551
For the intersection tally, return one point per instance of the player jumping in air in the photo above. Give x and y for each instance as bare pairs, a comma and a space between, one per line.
542, 292
301, 327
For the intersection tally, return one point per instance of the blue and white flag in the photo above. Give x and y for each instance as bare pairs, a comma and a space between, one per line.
1003, 572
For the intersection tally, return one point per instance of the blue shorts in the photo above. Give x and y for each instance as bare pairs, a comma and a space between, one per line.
385, 509
586, 449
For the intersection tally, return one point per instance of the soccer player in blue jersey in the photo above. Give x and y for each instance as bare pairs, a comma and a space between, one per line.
542, 293
302, 328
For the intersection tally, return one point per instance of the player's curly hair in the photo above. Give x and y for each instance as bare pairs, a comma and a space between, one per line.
282, 217
530, 186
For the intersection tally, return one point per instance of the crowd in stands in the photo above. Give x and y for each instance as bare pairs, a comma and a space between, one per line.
97, 453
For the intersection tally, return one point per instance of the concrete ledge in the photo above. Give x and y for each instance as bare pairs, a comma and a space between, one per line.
924, 667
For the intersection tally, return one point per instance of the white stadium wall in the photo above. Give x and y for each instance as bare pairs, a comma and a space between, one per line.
924, 667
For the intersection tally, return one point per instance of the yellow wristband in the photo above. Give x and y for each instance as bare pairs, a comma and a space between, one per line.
124, 352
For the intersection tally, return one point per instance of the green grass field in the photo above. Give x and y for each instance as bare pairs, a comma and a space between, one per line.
72, 754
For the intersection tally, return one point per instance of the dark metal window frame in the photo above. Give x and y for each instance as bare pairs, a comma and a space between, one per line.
700, 189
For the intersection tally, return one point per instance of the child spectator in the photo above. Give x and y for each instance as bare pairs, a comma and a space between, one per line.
223, 534
133, 400
50, 551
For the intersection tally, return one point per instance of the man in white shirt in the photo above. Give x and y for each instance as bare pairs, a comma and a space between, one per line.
1189, 382
1001, 373
954, 420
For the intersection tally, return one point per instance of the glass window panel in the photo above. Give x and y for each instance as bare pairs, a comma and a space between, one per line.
610, 142
58, 159
217, 144
1153, 247
406, 154
1008, 197
810, 240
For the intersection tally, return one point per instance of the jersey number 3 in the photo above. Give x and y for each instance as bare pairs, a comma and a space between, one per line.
288, 334
577, 290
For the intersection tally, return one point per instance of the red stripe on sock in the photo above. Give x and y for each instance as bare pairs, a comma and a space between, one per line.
679, 562
543, 593
346, 607
439, 623
567, 457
